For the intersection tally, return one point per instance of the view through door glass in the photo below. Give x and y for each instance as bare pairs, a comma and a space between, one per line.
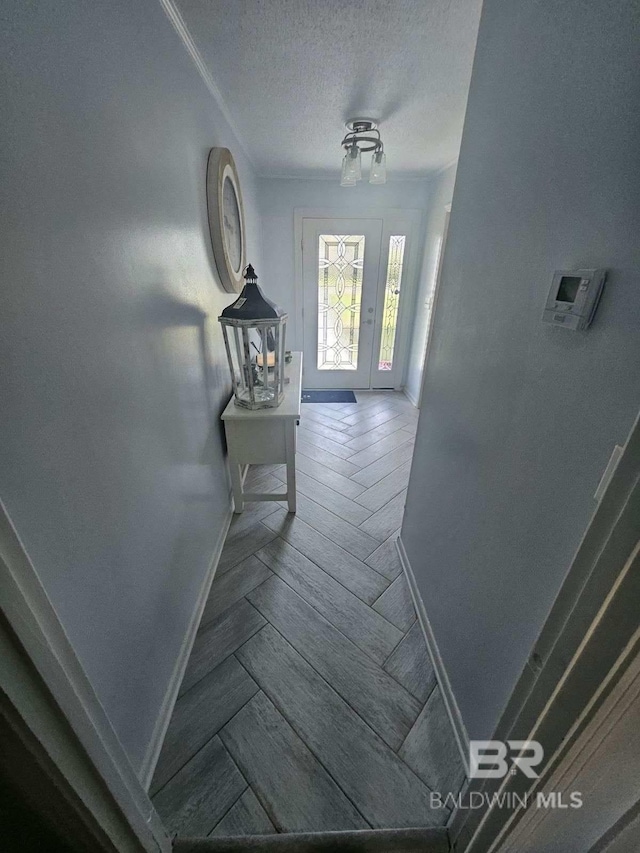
392, 287
354, 277
341, 264
340, 272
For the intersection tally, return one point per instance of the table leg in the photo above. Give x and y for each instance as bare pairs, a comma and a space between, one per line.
236, 484
290, 446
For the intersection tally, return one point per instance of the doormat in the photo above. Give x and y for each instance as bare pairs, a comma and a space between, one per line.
328, 397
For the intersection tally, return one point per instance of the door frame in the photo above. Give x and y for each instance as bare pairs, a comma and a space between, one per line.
415, 218
587, 643
434, 300
50, 706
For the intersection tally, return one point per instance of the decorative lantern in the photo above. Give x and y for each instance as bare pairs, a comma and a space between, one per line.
254, 332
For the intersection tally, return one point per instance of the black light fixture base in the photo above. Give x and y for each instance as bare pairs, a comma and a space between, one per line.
361, 124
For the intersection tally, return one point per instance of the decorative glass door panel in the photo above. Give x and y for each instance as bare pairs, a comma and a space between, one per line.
354, 310
391, 301
340, 260
340, 271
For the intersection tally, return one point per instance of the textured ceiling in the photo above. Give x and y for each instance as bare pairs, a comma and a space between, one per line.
292, 71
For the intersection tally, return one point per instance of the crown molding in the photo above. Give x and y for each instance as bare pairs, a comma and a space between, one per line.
175, 16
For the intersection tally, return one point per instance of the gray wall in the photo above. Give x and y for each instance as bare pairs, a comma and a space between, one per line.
519, 419
113, 373
440, 193
279, 199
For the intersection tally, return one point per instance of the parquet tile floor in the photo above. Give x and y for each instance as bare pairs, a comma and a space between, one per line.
309, 702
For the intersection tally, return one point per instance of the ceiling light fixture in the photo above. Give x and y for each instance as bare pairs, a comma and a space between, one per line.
363, 136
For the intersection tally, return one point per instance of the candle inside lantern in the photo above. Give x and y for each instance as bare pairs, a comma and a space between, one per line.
271, 359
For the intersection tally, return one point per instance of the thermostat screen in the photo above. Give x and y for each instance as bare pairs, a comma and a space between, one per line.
568, 289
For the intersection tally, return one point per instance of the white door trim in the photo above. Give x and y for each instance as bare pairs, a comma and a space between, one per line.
599, 758
73, 729
434, 301
416, 218
588, 640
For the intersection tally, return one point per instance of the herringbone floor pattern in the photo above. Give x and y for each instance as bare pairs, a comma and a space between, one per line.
309, 702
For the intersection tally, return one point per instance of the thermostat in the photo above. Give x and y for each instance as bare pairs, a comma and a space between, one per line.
573, 298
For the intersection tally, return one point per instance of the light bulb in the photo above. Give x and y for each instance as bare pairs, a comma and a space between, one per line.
378, 173
356, 161
353, 169
346, 180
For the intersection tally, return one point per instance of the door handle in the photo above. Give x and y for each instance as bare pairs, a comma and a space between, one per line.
368, 322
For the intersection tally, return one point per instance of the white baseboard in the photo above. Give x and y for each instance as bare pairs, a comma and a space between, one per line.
459, 729
413, 400
166, 709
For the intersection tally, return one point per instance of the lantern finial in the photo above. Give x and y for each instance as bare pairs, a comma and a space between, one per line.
252, 304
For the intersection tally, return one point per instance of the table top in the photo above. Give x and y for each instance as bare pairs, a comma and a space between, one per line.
290, 406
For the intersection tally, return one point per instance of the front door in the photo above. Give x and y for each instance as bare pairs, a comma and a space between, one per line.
353, 276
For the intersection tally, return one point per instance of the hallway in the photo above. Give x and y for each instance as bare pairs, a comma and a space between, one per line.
309, 702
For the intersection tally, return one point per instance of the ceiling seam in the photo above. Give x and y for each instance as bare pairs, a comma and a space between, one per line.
174, 15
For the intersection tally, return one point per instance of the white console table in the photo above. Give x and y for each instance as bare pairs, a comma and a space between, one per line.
265, 436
